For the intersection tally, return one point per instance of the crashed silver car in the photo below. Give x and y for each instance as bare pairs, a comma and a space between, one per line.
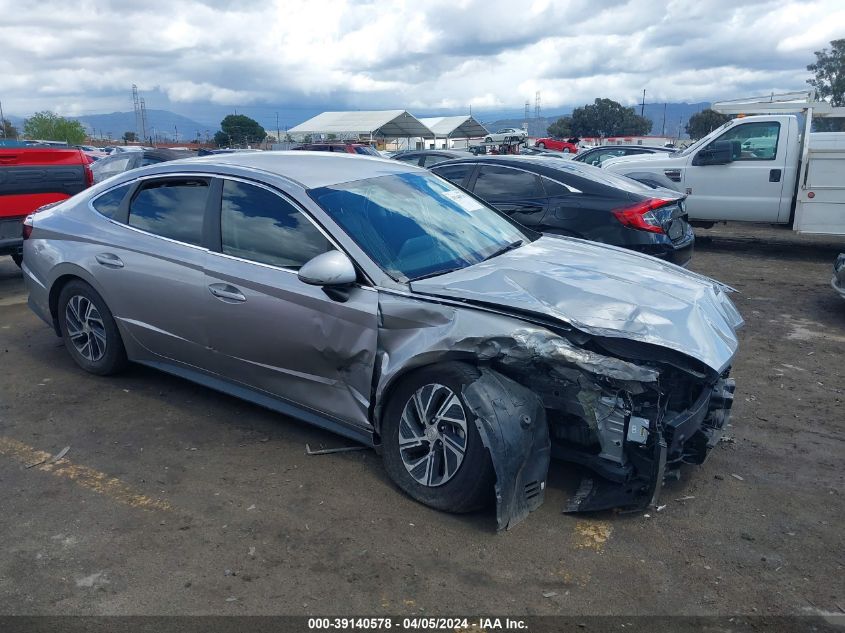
374, 299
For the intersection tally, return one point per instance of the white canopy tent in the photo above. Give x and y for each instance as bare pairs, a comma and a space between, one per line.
464, 126
372, 123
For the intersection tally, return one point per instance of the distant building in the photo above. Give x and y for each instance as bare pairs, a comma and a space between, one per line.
652, 141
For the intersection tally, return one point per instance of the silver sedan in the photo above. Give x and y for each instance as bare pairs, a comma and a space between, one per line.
374, 299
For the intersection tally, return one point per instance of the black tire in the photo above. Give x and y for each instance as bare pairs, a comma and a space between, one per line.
566, 150
18, 259
113, 357
541, 145
488, 139
471, 485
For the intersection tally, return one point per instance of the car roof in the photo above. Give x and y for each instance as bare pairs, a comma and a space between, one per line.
309, 169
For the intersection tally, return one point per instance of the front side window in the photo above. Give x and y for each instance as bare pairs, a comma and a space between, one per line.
753, 141
172, 208
495, 183
261, 226
433, 159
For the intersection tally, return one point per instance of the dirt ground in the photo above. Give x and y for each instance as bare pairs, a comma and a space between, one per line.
174, 499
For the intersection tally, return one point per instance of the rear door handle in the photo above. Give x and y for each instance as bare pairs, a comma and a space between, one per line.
109, 260
227, 293
774, 175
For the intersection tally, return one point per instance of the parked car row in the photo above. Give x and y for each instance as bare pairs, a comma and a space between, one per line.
417, 318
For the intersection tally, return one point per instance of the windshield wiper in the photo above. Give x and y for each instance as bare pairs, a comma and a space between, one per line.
438, 273
504, 249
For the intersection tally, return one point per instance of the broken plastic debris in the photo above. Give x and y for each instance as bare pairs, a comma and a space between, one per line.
660, 508
549, 594
735, 476
687, 498
327, 451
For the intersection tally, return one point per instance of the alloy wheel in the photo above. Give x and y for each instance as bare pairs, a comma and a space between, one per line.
85, 328
433, 435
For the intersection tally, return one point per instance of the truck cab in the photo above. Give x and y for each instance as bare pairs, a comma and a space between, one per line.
745, 170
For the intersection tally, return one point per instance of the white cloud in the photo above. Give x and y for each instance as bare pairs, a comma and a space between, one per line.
83, 57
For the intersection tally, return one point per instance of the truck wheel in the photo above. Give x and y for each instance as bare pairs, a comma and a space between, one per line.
89, 331
432, 449
18, 259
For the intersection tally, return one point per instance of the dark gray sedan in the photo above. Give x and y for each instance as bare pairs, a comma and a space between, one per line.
384, 303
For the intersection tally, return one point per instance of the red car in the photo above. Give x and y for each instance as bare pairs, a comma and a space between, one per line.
556, 144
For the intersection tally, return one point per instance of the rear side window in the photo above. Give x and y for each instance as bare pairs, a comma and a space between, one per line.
503, 183
554, 188
108, 167
261, 226
456, 173
173, 208
108, 203
413, 159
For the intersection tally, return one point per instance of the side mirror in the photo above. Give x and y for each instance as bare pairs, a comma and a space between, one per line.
716, 153
330, 269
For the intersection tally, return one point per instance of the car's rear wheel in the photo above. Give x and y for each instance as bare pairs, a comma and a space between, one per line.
566, 150
18, 259
89, 330
541, 145
432, 449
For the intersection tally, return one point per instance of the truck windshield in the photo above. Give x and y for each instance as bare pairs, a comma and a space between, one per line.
689, 150
417, 225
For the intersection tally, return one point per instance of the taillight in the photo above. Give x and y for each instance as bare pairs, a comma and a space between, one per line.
644, 216
89, 176
26, 228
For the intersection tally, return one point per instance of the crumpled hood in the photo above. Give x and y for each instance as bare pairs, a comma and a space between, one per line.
604, 291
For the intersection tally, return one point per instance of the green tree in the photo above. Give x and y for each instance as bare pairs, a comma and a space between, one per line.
829, 82
605, 117
702, 123
241, 130
7, 130
49, 126
130, 137
562, 128
221, 139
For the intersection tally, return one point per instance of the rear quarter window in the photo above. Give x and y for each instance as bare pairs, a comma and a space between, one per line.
108, 203
174, 209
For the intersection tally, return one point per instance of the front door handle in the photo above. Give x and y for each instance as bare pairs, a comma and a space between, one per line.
774, 175
227, 293
109, 260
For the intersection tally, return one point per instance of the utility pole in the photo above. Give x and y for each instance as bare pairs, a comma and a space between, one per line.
525, 120
278, 132
663, 128
642, 108
537, 105
2, 121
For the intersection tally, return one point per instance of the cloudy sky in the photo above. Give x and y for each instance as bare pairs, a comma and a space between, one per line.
81, 57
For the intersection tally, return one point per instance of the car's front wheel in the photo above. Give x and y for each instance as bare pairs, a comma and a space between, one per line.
488, 139
432, 449
89, 330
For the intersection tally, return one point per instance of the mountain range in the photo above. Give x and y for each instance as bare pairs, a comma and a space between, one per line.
165, 124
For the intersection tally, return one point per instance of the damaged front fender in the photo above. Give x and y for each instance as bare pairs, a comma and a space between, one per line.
512, 423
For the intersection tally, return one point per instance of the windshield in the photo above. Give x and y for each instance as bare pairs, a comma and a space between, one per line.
418, 225
689, 150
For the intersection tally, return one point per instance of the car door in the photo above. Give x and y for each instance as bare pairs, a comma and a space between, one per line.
269, 330
748, 188
151, 270
516, 192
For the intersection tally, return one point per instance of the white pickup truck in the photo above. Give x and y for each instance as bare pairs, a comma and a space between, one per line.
756, 169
